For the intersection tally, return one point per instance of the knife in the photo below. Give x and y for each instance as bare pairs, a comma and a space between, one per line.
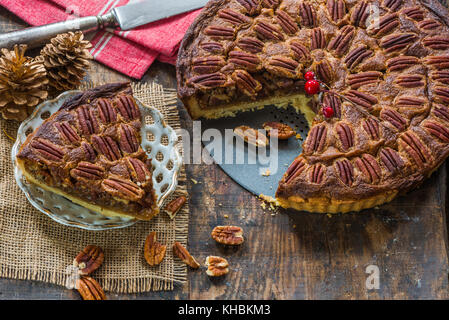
126, 17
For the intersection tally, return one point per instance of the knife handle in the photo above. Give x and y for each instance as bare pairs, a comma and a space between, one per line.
37, 36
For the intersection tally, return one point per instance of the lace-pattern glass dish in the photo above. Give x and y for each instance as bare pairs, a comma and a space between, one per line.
158, 139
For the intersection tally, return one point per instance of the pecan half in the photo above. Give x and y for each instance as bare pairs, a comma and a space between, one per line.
324, 71
67, 132
89, 259
128, 108
340, 43
106, 146
173, 207
87, 121
415, 13
153, 251
286, 22
410, 102
230, 235
294, 170
410, 81
283, 67
440, 76
184, 255
318, 39
437, 130
106, 111
364, 78
395, 118
90, 289
359, 14
122, 189
279, 130
212, 47
267, 31
251, 6
397, 41
216, 266
391, 159
393, 5
385, 25
440, 42
48, 150
333, 101
336, 9
220, 32
368, 165
138, 170
233, 17
357, 55
300, 52
316, 173
246, 83
363, 99
346, 135
307, 14
401, 63
429, 25
345, 171
89, 152
250, 44
441, 112
316, 139
441, 94
128, 139
210, 64
252, 136
245, 60
208, 81
271, 4
437, 62
371, 127
88, 171
414, 148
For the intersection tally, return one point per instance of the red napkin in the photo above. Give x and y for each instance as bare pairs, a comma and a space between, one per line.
131, 52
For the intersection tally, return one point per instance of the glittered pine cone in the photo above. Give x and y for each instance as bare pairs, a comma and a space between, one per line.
22, 83
66, 59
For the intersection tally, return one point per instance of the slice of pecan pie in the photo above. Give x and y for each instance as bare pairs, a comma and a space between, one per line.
387, 59
89, 152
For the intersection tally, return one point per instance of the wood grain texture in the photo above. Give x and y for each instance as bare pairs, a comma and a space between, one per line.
293, 255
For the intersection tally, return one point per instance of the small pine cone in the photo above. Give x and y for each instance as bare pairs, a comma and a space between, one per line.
66, 59
22, 83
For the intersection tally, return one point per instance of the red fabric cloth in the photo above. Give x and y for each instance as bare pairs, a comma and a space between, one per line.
131, 52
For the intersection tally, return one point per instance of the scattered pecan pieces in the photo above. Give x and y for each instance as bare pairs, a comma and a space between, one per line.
279, 130
89, 259
184, 255
251, 136
230, 235
90, 289
174, 206
216, 266
154, 252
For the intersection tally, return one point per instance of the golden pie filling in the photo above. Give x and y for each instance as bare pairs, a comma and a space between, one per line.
385, 62
89, 152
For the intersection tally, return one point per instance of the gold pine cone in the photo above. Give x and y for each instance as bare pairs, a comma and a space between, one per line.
22, 83
66, 59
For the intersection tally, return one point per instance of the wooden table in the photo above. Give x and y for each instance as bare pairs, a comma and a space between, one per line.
293, 255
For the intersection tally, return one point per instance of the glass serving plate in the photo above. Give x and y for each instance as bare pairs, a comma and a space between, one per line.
158, 140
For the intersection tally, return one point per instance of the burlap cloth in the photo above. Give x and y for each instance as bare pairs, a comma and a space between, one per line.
34, 247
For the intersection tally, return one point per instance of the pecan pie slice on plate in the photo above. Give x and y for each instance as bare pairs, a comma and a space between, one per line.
89, 152
388, 60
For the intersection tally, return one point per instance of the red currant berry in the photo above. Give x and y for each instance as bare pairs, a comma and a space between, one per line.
312, 87
309, 75
328, 112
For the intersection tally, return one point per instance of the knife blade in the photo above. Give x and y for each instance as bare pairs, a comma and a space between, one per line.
126, 17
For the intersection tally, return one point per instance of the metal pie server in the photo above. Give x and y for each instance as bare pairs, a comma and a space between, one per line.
126, 17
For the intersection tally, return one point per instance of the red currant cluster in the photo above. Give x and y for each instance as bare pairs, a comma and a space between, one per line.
313, 86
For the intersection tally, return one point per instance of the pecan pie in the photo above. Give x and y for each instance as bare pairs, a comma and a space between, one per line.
388, 60
89, 152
